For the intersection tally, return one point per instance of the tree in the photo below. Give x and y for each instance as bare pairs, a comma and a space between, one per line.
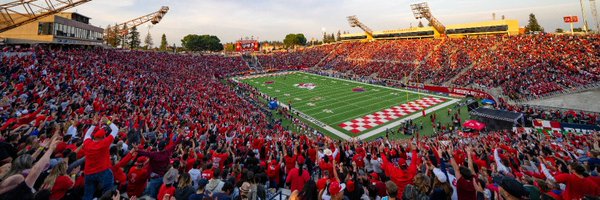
124, 34
559, 30
106, 32
148, 41
111, 35
134, 38
339, 36
420, 24
291, 40
193, 42
163, 43
533, 25
230, 46
325, 37
117, 35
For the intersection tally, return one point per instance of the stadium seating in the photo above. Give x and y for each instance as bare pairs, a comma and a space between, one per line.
291, 60
525, 66
180, 126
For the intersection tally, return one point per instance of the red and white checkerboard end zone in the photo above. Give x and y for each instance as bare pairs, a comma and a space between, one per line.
545, 125
381, 117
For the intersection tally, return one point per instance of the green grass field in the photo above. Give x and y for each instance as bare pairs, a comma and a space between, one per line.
332, 102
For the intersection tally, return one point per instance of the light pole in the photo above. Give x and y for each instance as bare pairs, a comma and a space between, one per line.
583, 16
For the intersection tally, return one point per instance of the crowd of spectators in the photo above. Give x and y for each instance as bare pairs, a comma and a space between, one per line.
449, 58
108, 124
534, 65
307, 57
522, 66
560, 115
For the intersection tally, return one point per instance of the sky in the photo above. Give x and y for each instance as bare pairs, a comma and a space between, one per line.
231, 20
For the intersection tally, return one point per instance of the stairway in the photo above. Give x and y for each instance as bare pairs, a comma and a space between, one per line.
422, 62
252, 62
325, 57
463, 71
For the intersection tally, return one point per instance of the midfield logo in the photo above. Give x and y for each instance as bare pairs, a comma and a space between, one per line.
308, 86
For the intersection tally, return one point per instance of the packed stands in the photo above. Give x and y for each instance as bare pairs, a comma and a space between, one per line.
77, 124
537, 65
308, 57
524, 66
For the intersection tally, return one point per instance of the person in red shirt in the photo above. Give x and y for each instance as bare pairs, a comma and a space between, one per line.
219, 157
273, 171
402, 175
465, 188
359, 160
298, 176
58, 182
97, 155
323, 181
167, 187
378, 184
577, 182
138, 177
208, 173
118, 169
326, 165
290, 161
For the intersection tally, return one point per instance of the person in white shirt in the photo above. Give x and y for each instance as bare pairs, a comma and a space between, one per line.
195, 174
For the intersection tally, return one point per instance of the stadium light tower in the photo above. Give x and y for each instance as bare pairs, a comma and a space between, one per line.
595, 15
421, 10
19, 12
153, 18
354, 22
585, 24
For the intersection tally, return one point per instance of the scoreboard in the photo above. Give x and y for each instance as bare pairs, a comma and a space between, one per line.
246, 45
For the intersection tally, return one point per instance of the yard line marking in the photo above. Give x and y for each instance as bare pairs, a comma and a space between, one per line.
352, 81
319, 123
348, 99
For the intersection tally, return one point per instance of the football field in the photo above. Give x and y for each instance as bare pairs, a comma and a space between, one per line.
346, 108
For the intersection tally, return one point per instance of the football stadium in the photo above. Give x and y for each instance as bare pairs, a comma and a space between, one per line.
305, 100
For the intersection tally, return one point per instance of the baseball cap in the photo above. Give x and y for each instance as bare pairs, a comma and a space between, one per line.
374, 176
350, 186
335, 188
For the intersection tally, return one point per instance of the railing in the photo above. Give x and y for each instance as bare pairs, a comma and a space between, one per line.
279, 195
18, 54
558, 93
545, 107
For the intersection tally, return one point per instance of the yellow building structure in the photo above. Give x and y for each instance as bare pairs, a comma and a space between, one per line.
63, 28
496, 27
